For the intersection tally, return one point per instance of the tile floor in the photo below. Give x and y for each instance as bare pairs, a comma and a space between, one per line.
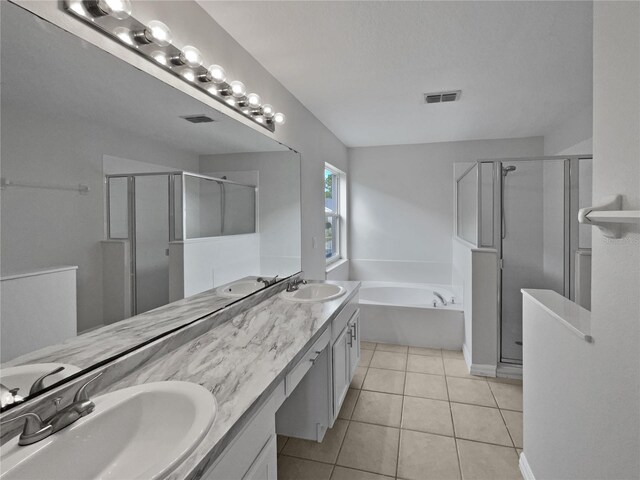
413, 414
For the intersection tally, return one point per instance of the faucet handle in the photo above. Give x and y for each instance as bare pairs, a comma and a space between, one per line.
34, 428
81, 395
39, 383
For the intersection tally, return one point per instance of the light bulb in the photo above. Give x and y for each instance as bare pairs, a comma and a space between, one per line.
253, 100
119, 9
159, 57
212, 90
238, 89
158, 33
280, 118
268, 111
191, 56
217, 74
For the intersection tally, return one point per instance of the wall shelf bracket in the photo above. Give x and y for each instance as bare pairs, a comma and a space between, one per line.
609, 216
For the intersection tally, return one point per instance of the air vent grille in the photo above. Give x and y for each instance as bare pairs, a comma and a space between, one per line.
198, 119
441, 97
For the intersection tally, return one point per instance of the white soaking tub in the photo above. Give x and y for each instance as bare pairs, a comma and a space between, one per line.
411, 314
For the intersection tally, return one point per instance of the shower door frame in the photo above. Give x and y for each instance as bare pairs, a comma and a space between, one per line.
131, 213
571, 178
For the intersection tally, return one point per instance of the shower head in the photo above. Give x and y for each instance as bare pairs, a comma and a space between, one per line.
508, 169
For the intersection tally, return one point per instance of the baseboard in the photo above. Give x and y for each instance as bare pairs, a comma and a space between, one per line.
525, 469
477, 369
510, 371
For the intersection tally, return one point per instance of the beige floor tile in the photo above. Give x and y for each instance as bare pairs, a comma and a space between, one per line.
370, 447
367, 345
425, 385
327, 451
342, 473
387, 381
433, 352
379, 408
390, 347
482, 424
425, 364
452, 354
358, 377
349, 404
508, 396
290, 468
480, 461
514, 425
281, 441
427, 415
389, 360
465, 390
512, 381
424, 456
457, 367
365, 357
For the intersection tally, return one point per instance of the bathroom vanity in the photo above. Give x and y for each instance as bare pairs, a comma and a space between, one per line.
273, 365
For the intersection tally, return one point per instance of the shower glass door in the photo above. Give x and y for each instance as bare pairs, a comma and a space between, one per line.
534, 240
151, 242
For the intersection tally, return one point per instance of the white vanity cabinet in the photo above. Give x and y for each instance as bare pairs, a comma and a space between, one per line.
314, 405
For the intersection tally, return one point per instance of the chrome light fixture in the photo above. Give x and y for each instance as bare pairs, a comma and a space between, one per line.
154, 41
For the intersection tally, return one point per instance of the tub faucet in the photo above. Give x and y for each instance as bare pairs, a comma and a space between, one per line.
441, 298
35, 429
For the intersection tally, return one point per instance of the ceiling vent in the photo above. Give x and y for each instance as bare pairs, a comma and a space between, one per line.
441, 97
198, 119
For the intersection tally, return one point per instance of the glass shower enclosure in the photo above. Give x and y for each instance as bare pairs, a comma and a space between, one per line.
526, 209
151, 210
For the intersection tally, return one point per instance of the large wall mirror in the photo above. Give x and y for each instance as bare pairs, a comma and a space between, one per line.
128, 208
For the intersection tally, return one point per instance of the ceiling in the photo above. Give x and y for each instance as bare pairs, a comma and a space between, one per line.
50, 72
362, 67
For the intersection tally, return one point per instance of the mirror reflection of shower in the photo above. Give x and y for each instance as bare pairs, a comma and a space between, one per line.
505, 172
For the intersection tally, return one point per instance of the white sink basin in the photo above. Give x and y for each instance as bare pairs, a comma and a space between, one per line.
240, 289
138, 432
315, 292
22, 377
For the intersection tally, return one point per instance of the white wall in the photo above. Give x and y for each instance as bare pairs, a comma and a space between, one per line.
573, 136
402, 208
44, 228
303, 132
601, 435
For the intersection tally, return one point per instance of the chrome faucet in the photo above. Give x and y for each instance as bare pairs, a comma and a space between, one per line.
441, 298
35, 429
294, 285
266, 281
39, 383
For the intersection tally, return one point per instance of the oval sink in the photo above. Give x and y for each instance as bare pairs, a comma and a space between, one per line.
138, 432
240, 289
315, 292
23, 376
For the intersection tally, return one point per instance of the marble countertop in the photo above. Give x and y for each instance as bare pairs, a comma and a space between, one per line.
94, 346
241, 362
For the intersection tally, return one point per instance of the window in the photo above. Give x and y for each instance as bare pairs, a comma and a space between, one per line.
332, 226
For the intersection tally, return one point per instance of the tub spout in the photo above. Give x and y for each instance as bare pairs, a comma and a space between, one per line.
441, 298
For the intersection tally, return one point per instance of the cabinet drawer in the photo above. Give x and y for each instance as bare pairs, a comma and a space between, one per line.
302, 367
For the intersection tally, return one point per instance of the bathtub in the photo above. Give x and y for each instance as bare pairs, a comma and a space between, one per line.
404, 313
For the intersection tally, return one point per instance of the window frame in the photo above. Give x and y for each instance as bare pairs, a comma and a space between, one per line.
335, 214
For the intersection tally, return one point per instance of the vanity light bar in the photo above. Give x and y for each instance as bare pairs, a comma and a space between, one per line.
155, 42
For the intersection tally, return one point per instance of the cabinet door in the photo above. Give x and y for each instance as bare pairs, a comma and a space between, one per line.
265, 466
341, 369
354, 348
